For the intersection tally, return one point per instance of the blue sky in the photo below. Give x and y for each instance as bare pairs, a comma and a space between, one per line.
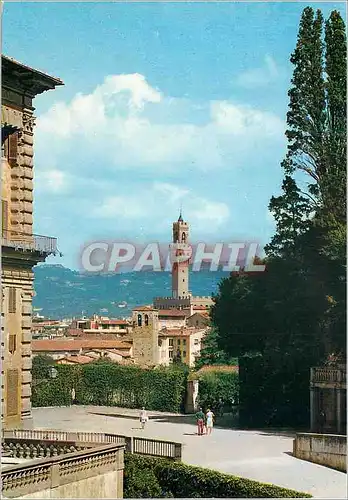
164, 105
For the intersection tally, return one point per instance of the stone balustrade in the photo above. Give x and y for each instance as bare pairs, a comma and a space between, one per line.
55, 442
19, 449
91, 473
328, 376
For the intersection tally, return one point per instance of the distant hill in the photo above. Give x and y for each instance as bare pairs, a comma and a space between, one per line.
63, 293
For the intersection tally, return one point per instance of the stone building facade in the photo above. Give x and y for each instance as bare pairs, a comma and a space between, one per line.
145, 336
20, 248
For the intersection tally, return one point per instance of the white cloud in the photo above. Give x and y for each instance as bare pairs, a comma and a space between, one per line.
260, 77
52, 181
127, 124
205, 215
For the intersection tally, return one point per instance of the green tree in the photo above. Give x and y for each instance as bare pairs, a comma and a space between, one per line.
41, 366
293, 315
211, 354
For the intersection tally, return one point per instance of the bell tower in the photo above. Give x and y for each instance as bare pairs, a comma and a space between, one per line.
180, 268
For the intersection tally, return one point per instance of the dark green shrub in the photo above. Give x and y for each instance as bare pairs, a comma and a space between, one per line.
57, 391
179, 480
214, 385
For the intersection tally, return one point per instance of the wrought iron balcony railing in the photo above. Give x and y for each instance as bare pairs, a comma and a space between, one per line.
29, 242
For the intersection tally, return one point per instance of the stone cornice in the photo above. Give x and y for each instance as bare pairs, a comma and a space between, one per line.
25, 80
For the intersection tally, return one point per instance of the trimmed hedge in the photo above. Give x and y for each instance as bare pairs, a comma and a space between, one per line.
109, 384
147, 477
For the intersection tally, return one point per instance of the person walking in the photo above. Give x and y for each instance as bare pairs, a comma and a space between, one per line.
210, 421
143, 418
200, 421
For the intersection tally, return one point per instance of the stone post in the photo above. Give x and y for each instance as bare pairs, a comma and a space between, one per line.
338, 411
313, 409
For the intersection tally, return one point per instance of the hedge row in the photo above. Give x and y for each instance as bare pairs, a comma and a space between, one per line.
110, 384
146, 477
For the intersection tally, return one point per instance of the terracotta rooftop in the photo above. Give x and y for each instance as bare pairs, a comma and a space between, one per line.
76, 345
218, 368
172, 313
200, 308
205, 314
80, 359
144, 308
179, 332
112, 322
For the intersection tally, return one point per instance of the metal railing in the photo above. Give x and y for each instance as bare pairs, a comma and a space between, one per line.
133, 444
29, 242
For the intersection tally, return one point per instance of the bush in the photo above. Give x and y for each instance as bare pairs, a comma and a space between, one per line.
215, 385
110, 384
54, 392
178, 480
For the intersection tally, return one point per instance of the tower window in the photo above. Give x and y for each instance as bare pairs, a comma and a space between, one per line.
146, 320
140, 322
183, 237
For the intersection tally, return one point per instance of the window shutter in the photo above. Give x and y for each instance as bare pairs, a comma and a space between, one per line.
12, 295
13, 148
4, 217
12, 344
12, 393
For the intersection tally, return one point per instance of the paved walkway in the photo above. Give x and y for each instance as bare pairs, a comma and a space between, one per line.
259, 455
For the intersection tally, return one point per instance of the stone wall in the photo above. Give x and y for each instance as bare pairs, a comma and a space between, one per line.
322, 449
16, 343
107, 485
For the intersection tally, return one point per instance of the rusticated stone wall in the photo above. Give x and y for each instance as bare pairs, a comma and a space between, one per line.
17, 287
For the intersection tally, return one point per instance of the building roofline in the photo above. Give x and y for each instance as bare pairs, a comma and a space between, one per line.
38, 81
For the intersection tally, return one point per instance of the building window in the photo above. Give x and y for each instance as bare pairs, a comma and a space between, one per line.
140, 321
4, 216
196, 342
146, 320
171, 342
11, 148
183, 237
171, 354
184, 341
179, 342
12, 344
184, 354
12, 300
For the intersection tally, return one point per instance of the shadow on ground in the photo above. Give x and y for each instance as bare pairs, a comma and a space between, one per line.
228, 421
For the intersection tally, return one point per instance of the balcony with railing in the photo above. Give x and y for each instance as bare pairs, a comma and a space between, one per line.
44, 245
328, 376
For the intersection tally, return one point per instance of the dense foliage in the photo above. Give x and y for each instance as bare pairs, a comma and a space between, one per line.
293, 316
215, 385
211, 354
110, 384
163, 478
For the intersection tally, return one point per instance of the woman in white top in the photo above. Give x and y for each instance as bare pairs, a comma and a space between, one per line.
143, 418
210, 421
